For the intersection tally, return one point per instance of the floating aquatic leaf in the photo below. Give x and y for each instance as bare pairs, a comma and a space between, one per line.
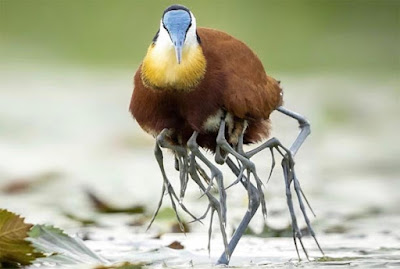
269, 231
83, 221
103, 207
124, 265
141, 221
336, 229
167, 216
166, 213
16, 186
14, 249
367, 213
176, 245
64, 249
25, 184
335, 259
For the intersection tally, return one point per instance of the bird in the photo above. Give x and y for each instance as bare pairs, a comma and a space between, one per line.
201, 88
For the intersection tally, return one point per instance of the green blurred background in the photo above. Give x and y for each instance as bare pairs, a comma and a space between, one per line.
289, 36
66, 71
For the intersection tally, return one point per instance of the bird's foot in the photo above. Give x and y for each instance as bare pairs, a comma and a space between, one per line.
167, 188
290, 176
214, 204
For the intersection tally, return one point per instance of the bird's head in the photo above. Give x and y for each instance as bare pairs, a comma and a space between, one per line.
178, 29
175, 59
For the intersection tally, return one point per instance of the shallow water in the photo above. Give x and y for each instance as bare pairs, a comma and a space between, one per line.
76, 125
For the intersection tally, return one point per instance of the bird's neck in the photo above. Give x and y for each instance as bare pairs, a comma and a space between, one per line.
160, 69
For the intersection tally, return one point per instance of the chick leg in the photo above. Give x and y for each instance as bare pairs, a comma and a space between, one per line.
214, 205
181, 161
215, 173
253, 206
162, 142
248, 165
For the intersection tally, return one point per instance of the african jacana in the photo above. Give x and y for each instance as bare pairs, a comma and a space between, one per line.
199, 87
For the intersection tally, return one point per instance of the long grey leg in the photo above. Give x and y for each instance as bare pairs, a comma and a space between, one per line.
305, 129
214, 205
296, 231
182, 158
253, 206
289, 173
287, 165
158, 207
239, 149
161, 141
249, 165
299, 194
220, 206
167, 185
215, 173
203, 173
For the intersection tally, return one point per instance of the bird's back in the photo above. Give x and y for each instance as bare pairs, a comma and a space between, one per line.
248, 92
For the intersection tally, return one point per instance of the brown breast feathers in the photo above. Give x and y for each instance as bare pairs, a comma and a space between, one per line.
235, 81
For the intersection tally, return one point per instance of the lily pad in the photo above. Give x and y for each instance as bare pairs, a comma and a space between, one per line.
14, 248
63, 248
104, 207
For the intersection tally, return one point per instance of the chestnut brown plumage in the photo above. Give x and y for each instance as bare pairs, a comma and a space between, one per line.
215, 95
240, 87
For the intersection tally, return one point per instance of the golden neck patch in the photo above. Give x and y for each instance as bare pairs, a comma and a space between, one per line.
160, 69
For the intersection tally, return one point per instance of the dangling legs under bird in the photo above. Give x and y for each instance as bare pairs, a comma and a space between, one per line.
200, 88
